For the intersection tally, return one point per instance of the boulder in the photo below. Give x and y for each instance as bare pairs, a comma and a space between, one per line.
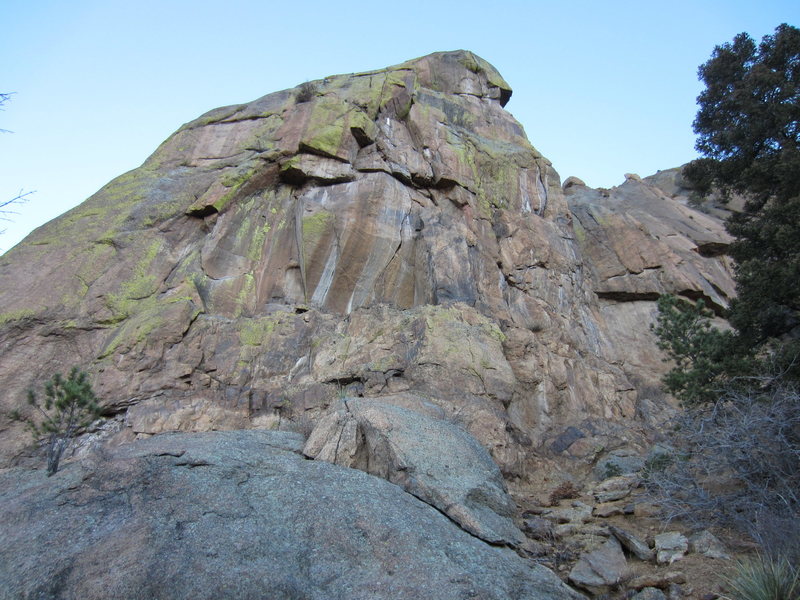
597, 571
632, 543
566, 438
623, 461
615, 488
662, 580
576, 513
239, 515
539, 528
571, 181
649, 593
436, 461
608, 509
707, 544
670, 546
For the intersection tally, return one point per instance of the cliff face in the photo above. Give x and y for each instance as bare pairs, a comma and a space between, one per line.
386, 234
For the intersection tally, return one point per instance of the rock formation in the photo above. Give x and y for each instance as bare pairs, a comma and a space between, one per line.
221, 515
388, 237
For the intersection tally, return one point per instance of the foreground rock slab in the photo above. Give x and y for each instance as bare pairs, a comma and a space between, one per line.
239, 514
436, 461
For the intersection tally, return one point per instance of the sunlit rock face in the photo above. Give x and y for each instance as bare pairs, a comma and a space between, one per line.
377, 233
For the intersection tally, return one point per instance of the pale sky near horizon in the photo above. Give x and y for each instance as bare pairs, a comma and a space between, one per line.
601, 88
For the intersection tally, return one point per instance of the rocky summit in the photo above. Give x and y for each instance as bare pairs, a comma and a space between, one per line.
378, 262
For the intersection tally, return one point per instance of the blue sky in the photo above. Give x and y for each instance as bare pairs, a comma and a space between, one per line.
602, 88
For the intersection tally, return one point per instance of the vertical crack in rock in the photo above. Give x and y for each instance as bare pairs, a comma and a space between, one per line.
541, 189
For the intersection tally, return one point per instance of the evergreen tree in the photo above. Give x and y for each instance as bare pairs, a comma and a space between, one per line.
748, 127
702, 354
69, 406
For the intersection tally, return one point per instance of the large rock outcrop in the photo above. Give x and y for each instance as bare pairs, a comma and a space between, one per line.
239, 515
639, 242
436, 461
377, 233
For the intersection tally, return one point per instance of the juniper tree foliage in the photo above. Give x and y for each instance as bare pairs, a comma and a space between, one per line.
748, 127
700, 352
69, 406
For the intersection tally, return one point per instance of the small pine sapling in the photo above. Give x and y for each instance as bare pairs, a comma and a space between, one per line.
69, 406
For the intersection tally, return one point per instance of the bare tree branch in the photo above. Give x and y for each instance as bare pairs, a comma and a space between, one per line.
20, 198
3, 99
737, 462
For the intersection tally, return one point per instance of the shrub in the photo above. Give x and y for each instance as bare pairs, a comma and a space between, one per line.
564, 491
69, 406
736, 463
611, 470
765, 578
306, 92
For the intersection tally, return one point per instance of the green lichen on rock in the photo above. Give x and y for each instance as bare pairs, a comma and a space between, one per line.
580, 232
235, 180
256, 248
255, 332
246, 293
315, 226
136, 329
102, 216
362, 127
494, 331
142, 284
153, 314
16, 315
325, 133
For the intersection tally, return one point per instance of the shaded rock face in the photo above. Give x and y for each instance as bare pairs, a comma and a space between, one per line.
436, 461
640, 240
239, 515
377, 233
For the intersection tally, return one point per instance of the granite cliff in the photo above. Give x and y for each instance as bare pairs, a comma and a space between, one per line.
367, 258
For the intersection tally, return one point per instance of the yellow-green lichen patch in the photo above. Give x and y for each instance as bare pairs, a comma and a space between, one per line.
334, 125
256, 331
493, 330
235, 180
580, 232
16, 315
362, 127
246, 293
326, 140
364, 90
142, 284
256, 248
153, 314
101, 216
92, 261
315, 226
263, 138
